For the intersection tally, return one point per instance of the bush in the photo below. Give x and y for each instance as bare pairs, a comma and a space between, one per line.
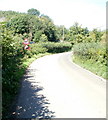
57, 47
12, 52
43, 38
92, 56
50, 47
94, 51
36, 49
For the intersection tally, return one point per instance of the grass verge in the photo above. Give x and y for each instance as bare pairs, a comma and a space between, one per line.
95, 67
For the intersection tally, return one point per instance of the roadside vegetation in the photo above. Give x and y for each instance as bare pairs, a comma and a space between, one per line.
89, 47
14, 28
91, 52
93, 57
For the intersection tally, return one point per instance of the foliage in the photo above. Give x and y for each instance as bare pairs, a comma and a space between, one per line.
57, 47
93, 51
41, 30
104, 37
48, 28
13, 56
20, 24
93, 54
62, 33
96, 35
33, 11
12, 53
34, 26
77, 34
43, 38
37, 36
35, 49
7, 15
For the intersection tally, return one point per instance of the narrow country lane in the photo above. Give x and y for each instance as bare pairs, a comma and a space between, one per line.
55, 87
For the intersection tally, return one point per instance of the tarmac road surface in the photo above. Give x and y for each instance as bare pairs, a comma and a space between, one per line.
54, 86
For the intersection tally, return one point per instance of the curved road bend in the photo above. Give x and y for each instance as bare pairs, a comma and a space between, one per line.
53, 86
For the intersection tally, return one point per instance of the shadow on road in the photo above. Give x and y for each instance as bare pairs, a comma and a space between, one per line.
32, 104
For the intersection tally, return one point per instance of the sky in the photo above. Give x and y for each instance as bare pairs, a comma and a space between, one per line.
88, 13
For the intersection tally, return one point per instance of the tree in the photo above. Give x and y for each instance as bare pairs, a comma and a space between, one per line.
46, 16
48, 28
97, 35
62, 33
37, 36
33, 26
43, 38
78, 34
19, 24
33, 11
25, 24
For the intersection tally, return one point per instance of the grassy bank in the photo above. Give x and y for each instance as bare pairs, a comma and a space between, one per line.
96, 68
93, 57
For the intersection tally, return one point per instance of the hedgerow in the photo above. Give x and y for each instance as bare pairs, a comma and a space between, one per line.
11, 65
92, 56
37, 48
51, 47
57, 47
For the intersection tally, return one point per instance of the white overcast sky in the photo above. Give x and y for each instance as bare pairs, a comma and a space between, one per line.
88, 13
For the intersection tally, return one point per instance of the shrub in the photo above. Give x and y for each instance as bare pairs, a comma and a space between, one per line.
37, 48
95, 51
11, 65
92, 56
57, 47
43, 38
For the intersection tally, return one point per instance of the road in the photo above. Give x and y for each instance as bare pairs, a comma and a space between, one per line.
54, 86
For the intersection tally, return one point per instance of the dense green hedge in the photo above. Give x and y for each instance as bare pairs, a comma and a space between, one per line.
92, 56
12, 69
51, 47
35, 49
57, 47
95, 51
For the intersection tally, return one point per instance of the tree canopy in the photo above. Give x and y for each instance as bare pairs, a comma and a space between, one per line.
33, 11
